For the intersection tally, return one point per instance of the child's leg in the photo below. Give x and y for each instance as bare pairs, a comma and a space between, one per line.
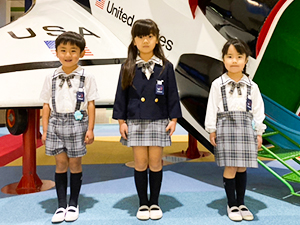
155, 174
229, 185
140, 172
61, 179
240, 184
75, 180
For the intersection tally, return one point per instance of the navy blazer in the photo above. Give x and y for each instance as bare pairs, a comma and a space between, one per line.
140, 101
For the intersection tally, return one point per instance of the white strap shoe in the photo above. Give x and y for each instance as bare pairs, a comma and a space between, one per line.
234, 213
155, 212
72, 213
246, 214
143, 213
59, 215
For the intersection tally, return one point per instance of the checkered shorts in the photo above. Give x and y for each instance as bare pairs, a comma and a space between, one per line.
236, 140
147, 133
65, 134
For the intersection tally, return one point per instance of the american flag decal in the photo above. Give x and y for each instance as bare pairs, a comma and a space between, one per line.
100, 3
51, 46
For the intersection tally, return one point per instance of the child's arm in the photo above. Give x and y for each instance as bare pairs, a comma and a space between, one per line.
212, 138
171, 126
259, 141
45, 120
123, 128
89, 136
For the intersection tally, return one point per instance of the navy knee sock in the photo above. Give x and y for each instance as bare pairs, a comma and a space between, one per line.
61, 183
155, 179
240, 186
141, 184
229, 185
75, 185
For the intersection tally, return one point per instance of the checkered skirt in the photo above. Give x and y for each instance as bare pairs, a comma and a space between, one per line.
65, 134
236, 140
147, 133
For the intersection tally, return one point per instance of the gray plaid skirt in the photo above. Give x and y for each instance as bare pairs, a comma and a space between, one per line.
236, 140
65, 134
147, 133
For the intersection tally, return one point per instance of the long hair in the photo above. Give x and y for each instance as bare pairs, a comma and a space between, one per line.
240, 46
141, 27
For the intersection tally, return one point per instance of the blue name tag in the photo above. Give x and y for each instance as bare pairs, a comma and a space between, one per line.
249, 104
80, 96
160, 89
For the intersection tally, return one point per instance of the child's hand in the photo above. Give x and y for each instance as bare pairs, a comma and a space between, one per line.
44, 136
171, 126
259, 141
124, 130
89, 137
212, 138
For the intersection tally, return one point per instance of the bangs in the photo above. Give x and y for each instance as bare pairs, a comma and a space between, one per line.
240, 48
144, 29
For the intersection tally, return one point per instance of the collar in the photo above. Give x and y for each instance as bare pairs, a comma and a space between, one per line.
79, 71
226, 79
154, 59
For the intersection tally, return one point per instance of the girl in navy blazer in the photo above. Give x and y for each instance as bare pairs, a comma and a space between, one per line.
147, 107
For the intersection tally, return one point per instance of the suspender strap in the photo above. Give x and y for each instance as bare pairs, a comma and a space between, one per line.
82, 78
224, 98
53, 94
248, 94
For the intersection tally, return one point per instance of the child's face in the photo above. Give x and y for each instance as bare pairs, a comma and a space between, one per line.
234, 61
69, 56
145, 44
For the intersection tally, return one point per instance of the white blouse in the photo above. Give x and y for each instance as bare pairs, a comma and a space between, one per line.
66, 97
235, 102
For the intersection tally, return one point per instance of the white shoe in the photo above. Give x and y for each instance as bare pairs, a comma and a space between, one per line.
72, 213
143, 213
155, 212
59, 215
234, 213
246, 214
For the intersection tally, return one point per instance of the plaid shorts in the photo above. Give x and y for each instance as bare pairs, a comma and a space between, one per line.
65, 134
147, 133
236, 140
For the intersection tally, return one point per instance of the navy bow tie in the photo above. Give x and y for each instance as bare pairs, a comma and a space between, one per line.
63, 79
145, 66
236, 85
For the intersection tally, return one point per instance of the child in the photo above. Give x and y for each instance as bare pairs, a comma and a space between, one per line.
146, 99
67, 94
234, 119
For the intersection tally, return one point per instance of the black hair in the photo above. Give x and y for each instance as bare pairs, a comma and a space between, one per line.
143, 28
240, 46
70, 37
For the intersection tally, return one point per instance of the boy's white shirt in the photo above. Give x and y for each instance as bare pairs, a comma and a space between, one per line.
66, 97
235, 102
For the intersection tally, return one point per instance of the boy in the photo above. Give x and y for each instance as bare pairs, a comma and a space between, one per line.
67, 94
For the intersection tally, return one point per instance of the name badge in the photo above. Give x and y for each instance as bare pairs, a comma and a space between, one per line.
160, 89
80, 95
249, 103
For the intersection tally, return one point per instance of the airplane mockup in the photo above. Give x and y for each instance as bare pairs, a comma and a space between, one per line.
192, 35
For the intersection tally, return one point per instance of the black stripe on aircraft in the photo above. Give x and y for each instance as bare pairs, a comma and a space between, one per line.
55, 64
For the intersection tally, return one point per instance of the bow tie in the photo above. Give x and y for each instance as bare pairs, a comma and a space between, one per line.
145, 66
236, 85
63, 79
